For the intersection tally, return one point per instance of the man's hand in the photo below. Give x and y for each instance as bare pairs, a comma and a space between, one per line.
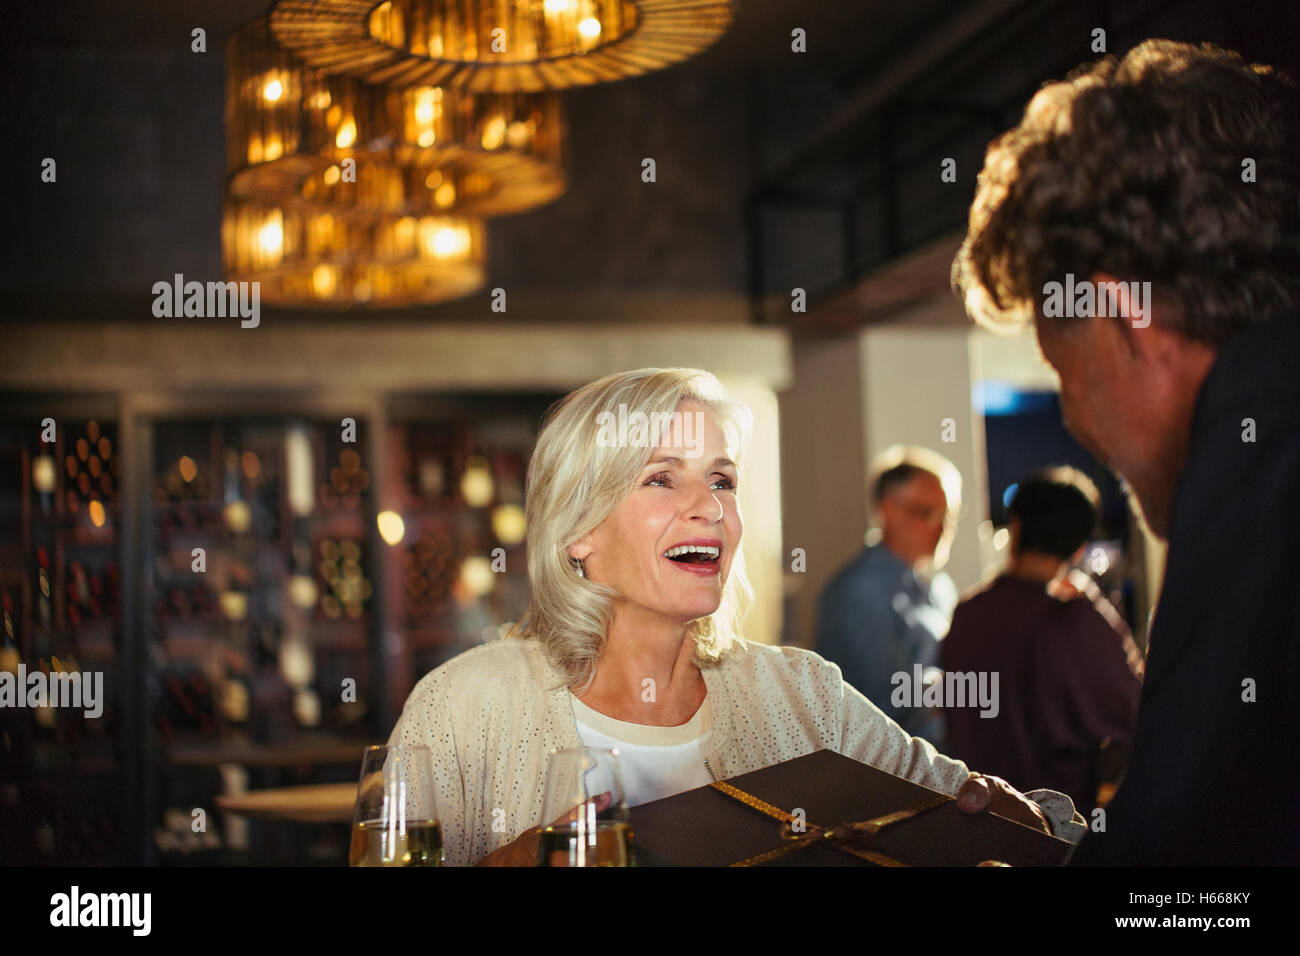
981, 793
522, 850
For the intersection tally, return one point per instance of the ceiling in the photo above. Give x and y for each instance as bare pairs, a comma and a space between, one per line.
776, 169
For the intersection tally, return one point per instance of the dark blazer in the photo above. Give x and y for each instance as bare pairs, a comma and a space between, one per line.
1213, 778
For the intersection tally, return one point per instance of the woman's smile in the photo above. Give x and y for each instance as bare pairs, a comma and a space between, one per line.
702, 556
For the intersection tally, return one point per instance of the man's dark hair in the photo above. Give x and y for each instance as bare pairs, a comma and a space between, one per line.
1057, 509
1139, 168
897, 465
892, 479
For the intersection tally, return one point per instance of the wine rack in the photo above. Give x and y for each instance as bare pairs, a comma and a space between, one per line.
60, 561
461, 573
229, 576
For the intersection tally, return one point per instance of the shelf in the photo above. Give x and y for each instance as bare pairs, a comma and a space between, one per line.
239, 749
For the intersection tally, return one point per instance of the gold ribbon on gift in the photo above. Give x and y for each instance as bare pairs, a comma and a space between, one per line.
847, 837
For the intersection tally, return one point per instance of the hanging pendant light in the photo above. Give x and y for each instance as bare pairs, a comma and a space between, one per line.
316, 258
296, 136
440, 151
498, 45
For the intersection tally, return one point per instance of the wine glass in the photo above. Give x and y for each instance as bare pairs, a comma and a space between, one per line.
585, 801
396, 817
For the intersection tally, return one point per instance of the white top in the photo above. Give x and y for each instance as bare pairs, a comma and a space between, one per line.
656, 761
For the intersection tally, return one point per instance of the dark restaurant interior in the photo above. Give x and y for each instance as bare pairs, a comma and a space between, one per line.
264, 531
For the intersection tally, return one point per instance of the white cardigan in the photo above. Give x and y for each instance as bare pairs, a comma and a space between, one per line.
492, 715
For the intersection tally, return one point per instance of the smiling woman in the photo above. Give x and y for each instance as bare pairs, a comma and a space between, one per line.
631, 638
613, 508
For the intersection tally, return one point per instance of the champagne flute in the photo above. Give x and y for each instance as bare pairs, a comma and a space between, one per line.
585, 801
396, 818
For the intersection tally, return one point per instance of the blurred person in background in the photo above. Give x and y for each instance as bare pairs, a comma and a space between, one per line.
1168, 182
889, 608
1068, 670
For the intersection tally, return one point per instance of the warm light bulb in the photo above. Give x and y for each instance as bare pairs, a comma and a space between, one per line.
445, 195
270, 237
296, 661
302, 591
391, 527
424, 111
404, 232
556, 6
476, 575
234, 604
448, 242
324, 280
589, 28
508, 523
238, 516
347, 134
97, 515
272, 91
517, 134
306, 707
494, 132
43, 474
332, 175
188, 469
476, 483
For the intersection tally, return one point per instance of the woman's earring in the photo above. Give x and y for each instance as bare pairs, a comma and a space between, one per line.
582, 571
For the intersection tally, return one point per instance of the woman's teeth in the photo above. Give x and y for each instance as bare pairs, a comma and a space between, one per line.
706, 552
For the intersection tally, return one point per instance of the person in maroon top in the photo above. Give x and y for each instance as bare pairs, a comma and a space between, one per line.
1069, 674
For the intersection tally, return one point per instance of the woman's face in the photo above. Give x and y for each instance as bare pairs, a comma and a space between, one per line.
684, 498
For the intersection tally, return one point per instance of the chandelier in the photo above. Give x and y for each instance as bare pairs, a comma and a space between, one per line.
340, 193
318, 258
366, 141
290, 129
484, 46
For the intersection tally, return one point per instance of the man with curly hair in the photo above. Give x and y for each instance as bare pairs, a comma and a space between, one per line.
1176, 166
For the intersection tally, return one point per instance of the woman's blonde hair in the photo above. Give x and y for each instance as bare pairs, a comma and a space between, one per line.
576, 480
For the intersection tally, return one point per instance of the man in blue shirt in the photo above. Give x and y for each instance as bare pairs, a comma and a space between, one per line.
888, 609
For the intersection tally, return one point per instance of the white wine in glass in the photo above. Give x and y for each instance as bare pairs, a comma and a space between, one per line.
396, 818
585, 803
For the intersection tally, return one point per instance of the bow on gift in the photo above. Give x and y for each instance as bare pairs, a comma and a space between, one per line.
847, 837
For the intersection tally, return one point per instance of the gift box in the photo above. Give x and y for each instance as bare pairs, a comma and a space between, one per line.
825, 809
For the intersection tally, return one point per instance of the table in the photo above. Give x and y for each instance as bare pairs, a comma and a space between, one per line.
317, 803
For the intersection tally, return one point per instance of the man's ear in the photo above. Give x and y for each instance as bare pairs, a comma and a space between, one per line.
1142, 338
